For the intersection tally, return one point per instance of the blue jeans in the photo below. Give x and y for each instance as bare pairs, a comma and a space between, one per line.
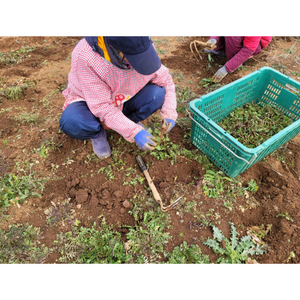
78, 122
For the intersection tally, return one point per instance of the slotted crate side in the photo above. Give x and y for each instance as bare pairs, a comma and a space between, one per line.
267, 86
221, 151
283, 93
220, 103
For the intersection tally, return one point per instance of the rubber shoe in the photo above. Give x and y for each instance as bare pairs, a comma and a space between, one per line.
101, 146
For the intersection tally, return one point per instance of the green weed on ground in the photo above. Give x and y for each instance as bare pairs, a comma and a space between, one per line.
91, 245
234, 251
20, 244
216, 185
146, 240
27, 117
16, 188
185, 254
15, 56
14, 92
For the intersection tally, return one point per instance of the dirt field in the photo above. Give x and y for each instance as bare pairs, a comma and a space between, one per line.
86, 188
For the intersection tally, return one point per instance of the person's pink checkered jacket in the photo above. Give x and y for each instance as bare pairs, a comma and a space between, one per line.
106, 87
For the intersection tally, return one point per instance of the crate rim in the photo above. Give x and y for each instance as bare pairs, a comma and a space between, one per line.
242, 147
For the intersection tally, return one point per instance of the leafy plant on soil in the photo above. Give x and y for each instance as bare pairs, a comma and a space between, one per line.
203, 218
234, 251
213, 183
147, 238
209, 85
46, 147
183, 96
185, 254
254, 123
216, 185
15, 56
27, 117
16, 188
285, 215
166, 149
91, 245
20, 244
261, 231
14, 92
252, 186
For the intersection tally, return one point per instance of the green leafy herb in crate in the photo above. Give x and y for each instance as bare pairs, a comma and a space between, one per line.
253, 123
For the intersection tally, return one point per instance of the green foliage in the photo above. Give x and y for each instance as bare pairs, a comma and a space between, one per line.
254, 123
262, 231
46, 147
17, 188
216, 185
206, 82
213, 184
184, 96
20, 244
27, 117
235, 251
166, 150
15, 56
185, 254
147, 239
47, 99
209, 85
285, 215
252, 186
14, 92
91, 245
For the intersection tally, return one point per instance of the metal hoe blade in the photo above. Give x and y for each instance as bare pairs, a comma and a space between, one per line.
153, 188
169, 207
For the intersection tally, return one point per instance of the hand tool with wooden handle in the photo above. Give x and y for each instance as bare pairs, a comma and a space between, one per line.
153, 188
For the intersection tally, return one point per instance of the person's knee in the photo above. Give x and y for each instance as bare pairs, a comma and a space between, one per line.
78, 122
69, 124
158, 97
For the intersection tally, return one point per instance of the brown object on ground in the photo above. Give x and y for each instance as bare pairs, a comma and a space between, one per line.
153, 188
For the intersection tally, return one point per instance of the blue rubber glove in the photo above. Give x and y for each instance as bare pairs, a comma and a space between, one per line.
145, 140
221, 73
168, 124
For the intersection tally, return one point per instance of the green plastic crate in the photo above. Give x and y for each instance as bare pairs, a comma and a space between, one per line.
265, 85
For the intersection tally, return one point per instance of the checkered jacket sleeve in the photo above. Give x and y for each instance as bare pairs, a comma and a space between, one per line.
97, 81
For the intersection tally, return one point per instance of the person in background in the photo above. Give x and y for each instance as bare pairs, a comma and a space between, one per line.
116, 82
237, 49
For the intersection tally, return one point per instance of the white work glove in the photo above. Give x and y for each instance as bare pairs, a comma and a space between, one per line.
211, 43
220, 74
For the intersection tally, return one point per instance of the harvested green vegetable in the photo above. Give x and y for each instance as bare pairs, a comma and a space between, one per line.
253, 123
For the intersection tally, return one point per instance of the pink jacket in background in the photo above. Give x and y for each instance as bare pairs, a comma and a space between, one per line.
240, 48
252, 42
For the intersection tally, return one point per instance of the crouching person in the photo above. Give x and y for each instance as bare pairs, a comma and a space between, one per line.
237, 49
116, 82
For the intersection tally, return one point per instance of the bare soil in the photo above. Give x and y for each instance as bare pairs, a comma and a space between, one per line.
73, 175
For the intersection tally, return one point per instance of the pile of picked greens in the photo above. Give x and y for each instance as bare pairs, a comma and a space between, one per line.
254, 123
